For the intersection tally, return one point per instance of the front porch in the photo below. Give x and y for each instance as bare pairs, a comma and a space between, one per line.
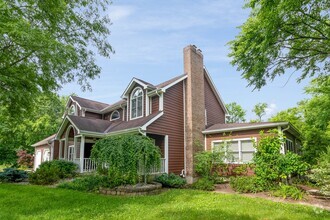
77, 148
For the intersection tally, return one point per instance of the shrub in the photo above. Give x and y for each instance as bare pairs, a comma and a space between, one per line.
88, 183
203, 184
171, 180
321, 173
286, 191
271, 165
13, 175
247, 184
50, 172
129, 157
25, 159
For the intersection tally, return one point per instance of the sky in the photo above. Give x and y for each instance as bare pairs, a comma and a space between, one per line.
149, 36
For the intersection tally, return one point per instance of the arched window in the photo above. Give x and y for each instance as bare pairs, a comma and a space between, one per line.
136, 103
114, 115
72, 110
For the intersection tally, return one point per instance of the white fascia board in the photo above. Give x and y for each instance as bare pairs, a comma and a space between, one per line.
64, 123
113, 107
214, 88
173, 83
92, 134
134, 80
75, 102
249, 127
144, 127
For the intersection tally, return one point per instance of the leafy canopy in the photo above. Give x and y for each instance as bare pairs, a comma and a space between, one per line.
44, 44
260, 110
280, 35
236, 112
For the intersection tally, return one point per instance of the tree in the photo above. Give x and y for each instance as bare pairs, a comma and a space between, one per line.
41, 121
44, 44
236, 112
280, 35
260, 110
312, 118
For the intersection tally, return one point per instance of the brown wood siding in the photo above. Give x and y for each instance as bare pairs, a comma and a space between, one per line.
56, 145
92, 115
214, 111
107, 116
171, 124
155, 104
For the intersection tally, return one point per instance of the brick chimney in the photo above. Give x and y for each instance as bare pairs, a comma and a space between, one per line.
195, 106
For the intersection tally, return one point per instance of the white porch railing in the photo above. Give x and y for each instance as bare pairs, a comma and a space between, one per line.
89, 165
156, 170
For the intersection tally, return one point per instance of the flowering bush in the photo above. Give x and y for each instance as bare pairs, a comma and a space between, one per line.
24, 158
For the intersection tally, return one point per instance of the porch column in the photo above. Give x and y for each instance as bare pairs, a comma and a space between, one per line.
60, 150
82, 149
166, 153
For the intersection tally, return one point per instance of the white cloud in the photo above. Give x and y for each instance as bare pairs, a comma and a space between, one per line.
120, 12
271, 110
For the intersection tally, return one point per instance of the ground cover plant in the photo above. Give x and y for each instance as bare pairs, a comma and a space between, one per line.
171, 180
39, 202
88, 183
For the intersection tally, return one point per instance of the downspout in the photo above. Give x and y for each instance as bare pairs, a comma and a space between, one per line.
183, 172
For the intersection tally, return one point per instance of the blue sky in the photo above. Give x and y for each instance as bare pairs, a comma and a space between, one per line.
149, 37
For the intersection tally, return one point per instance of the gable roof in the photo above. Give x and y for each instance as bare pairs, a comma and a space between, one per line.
44, 141
89, 104
101, 127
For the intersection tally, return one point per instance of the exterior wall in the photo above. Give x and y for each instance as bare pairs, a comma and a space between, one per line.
120, 110
93, 115
56, 145
232, 135
42, 149
155, 104
171, 124
214, 112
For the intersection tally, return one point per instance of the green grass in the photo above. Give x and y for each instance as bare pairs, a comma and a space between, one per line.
38, 202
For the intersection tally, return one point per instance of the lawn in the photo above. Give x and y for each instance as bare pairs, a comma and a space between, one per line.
38, 202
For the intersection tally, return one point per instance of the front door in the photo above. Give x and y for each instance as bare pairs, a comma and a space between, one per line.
71, 153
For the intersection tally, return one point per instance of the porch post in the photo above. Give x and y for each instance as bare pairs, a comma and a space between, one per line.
60, 150
166, 153
82, 149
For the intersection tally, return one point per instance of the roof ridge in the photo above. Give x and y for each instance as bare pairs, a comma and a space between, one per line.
90, 100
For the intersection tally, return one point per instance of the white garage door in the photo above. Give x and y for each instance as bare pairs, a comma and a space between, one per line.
37, 161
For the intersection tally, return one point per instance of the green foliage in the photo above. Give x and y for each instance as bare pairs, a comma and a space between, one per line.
236, 112
19, 133
88, 183
50, 172
260, 110
171, 180
13, 175
129, 157
248, 184
321, 173
312, 118
286, 191
271, 165
280, 35
203, 184
44, 44
208, 163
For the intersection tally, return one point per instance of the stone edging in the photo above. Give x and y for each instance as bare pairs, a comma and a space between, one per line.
129, 190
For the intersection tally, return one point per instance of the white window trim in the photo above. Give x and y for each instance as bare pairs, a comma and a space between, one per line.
115, 118
130, 102
239, 147
286, 147
46, 151
75, 110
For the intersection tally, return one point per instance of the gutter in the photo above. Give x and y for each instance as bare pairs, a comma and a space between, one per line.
245, 128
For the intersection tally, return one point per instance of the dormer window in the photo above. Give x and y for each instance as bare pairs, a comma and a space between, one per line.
72, 110
114, 115
136, 103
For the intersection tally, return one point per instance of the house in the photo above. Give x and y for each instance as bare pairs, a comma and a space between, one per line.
183, 115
